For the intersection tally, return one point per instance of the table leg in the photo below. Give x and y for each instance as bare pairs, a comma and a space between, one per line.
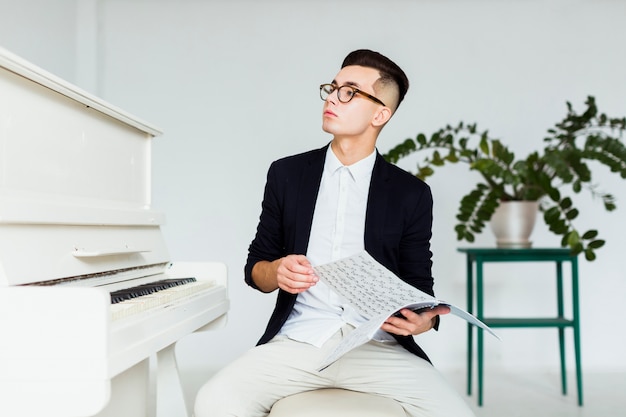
479, 332
560, 311
470, 329
576, 319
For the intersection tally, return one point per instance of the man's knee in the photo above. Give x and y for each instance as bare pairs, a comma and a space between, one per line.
215, 399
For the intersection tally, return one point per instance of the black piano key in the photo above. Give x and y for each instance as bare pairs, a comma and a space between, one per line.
147, 289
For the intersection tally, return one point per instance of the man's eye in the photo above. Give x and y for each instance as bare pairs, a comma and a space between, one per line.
348, 92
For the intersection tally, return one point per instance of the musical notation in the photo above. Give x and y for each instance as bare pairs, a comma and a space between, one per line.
377, 293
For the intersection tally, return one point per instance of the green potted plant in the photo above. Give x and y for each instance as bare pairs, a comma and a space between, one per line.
543, 176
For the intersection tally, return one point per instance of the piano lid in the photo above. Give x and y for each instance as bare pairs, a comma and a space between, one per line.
75, 181
20, 66
67, 156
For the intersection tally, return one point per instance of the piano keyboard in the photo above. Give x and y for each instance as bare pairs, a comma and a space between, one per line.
147, 289
159, 294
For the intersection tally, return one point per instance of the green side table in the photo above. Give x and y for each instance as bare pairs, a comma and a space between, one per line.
476, 257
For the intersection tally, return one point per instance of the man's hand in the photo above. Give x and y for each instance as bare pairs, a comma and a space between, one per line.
293, 274
413, 323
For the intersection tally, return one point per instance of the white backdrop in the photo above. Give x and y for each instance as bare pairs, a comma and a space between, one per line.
234, 85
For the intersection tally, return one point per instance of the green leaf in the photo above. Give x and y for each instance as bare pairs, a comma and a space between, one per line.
571, 214
573, 238
452, 156
596, 244
436, 160
554, 194
610, 206
484, 145
590, 254
566, 203
551, 214
590, 234
559, 227
578, 248
565, 239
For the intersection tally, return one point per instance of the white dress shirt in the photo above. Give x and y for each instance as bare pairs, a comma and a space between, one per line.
337, 232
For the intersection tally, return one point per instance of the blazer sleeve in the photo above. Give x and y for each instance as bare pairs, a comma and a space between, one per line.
415, 259
267, 244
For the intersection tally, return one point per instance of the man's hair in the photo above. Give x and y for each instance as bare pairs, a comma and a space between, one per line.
389, 71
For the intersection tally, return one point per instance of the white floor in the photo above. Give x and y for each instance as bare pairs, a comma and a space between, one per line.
539, 395
514, 394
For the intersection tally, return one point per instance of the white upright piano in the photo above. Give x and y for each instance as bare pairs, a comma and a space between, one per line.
91, 305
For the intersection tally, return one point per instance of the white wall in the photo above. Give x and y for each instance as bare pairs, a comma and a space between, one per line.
42, 32
234, 86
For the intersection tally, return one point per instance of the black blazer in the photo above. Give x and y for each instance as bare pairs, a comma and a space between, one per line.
398, 225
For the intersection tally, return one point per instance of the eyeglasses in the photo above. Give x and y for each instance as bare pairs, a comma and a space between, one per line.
345, 93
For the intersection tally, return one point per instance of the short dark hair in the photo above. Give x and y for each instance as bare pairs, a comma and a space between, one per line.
389, 70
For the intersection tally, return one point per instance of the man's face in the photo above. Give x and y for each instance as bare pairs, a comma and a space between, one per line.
355, 117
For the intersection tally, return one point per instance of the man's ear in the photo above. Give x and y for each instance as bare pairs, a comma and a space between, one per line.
382, 116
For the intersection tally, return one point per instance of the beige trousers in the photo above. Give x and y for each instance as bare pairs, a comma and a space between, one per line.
250, 385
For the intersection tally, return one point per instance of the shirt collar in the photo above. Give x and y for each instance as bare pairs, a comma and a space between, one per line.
361, 170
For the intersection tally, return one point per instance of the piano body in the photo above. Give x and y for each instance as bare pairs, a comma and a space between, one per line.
76, 226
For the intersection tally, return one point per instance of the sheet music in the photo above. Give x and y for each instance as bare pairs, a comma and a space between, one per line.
366, 284
377, 294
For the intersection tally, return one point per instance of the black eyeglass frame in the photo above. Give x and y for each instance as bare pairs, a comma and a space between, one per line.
354, 90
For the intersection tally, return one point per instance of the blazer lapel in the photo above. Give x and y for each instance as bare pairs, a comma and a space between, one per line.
309, 185
377, 203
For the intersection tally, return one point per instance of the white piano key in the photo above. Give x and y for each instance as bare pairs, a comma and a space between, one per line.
160, 299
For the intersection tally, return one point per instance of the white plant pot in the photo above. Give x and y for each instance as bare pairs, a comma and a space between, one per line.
513, 222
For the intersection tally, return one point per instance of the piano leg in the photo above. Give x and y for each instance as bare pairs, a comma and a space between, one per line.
170, 395
132, 391
129, 392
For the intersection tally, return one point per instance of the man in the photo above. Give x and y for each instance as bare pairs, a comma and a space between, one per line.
321, 206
